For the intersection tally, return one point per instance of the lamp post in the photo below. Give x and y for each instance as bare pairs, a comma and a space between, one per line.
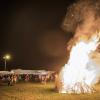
6, 57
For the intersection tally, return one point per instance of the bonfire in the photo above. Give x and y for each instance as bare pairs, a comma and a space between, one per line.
80, 72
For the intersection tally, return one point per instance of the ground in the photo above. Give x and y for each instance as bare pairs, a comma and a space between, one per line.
37, 91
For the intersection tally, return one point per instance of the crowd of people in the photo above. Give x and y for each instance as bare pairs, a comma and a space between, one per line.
12, 79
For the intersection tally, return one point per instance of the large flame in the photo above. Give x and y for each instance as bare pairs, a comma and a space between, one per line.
80, 73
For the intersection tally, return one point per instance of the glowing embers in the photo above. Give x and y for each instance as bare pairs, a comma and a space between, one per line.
80, 73
79, 87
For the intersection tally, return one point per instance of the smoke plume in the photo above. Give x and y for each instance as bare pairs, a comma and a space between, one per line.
83, 17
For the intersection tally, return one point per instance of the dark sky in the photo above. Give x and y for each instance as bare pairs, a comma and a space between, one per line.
31, 32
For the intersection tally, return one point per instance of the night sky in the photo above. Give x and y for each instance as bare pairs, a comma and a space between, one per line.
31, 32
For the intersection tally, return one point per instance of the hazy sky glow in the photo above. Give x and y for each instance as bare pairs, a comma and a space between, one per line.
31, 33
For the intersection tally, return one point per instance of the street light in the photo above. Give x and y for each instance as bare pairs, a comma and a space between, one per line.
6, 57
